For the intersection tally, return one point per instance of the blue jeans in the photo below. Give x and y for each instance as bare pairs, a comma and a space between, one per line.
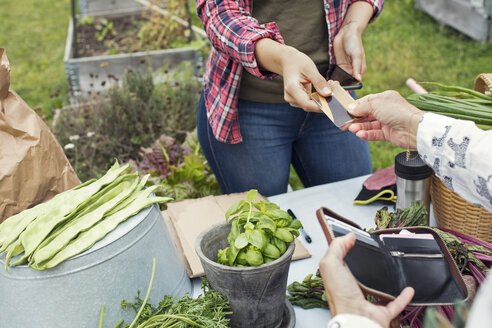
274, 136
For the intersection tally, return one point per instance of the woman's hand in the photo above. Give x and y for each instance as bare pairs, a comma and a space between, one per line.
349, 51
386, 116
298, 71
343, 292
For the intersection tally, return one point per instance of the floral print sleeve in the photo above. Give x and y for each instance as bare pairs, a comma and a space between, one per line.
460, 154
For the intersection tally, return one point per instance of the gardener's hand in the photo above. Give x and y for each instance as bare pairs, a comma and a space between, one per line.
386, 116
298, 71
349, 51
343, 292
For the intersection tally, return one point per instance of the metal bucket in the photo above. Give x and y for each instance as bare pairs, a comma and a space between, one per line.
115, 268
256, 294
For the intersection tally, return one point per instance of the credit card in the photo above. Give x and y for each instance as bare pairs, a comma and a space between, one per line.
340, 228
335, 106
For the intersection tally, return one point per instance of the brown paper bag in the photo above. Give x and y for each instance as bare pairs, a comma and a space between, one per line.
33, 166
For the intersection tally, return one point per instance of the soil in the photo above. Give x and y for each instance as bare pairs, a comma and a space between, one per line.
121, 38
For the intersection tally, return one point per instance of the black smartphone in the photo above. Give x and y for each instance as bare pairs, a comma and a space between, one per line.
347, 81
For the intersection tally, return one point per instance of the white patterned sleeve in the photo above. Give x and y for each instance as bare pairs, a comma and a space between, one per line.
349, 320
460, 154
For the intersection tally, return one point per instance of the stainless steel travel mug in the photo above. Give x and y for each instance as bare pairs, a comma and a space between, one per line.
412, 180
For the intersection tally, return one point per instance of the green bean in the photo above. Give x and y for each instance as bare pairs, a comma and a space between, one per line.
14, 249
101, 197
86, 239
12, 227
128, 200
67, 203
112, 198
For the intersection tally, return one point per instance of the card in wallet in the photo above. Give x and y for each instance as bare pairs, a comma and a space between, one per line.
386, 261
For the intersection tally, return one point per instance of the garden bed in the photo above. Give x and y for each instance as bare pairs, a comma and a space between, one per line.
107, 50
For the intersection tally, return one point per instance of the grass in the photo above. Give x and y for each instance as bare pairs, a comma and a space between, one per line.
34, 34
405, 42
402, 43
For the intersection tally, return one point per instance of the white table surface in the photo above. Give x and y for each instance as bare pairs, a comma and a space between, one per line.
338, 197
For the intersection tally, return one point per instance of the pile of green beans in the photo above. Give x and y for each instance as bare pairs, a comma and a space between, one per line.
71, 222
456, 102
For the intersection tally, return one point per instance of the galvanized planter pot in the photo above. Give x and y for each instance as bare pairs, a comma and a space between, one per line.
87, 76
115, 268
256, 294
471, 17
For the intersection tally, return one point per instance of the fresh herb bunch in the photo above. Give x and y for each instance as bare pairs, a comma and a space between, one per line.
208, 310
309, 294
415, 215
260, 232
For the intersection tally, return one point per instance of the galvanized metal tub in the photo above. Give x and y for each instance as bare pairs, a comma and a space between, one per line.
71, 294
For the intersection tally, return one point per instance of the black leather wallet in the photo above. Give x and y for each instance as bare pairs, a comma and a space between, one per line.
385, 262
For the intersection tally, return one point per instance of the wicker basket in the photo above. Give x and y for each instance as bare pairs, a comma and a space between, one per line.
452, 211
483, 83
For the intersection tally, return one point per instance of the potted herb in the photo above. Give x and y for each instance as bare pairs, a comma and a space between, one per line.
247, 259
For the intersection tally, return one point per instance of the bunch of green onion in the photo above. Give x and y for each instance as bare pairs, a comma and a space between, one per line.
456, 102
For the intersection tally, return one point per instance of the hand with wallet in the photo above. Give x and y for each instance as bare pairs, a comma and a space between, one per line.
343, 292
400, 266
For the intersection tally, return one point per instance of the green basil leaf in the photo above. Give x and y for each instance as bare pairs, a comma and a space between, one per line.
295, 224
260, 206
234, 209
295, 232
284, 234
282, 223
280, 244
249, 226
256, 238
270, 206
251, 196
267, 223
241, 257
241, 241
278, 213
254, 256
235, 231
222, 256
271, 251
231, 254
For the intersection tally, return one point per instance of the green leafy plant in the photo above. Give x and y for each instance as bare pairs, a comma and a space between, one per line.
104, 28
415, 215
260, 232
209, 310
125, 119
309, 294
180, 171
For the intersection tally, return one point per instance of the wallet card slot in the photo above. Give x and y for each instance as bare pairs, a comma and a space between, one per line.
373, 268
417, 246
429, 277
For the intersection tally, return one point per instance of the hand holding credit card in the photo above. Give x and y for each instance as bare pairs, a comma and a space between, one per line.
335, 106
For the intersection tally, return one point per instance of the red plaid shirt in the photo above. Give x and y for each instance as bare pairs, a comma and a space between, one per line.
233, 33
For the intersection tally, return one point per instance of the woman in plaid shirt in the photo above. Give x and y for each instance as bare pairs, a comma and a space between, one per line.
255, 116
